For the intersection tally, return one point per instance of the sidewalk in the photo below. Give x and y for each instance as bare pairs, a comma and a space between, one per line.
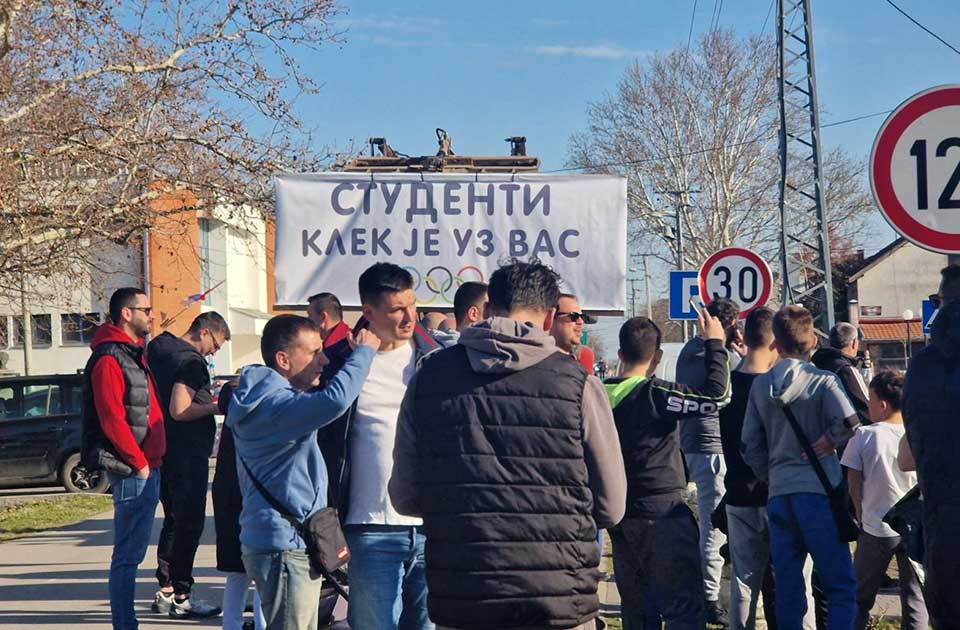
58, 578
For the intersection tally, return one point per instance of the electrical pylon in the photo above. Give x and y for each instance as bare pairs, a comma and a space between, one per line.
805, 243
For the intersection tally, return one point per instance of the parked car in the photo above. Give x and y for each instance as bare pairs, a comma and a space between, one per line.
40, 428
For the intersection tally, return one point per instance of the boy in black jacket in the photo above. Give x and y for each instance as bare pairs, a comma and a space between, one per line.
656, 557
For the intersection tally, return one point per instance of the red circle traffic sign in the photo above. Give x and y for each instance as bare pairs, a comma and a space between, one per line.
738, 274
915, 169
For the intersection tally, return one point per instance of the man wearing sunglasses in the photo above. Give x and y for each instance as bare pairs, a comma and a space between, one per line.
931, 397
179, 366
123, 435
567, 329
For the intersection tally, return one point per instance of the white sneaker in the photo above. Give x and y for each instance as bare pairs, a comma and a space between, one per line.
162, 602
193, 608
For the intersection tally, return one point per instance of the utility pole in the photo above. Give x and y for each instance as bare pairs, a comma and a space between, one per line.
680, 199
27, 336
804, 236
633, 296
646, 288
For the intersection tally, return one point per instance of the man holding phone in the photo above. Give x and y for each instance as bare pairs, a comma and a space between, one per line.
703, 450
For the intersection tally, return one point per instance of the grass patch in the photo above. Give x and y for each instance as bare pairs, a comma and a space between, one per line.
43, 514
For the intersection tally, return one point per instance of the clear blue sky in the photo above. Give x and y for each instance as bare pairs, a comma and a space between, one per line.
485, 71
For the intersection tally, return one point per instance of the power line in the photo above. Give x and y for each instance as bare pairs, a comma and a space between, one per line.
767, 19
693, 15
709, 149
924, 28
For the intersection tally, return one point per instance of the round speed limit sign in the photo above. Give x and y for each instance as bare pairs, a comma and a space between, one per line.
737, 274
915, 169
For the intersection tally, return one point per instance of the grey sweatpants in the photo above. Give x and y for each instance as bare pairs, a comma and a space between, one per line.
870, 565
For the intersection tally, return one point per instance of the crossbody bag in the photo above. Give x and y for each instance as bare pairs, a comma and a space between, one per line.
321, 533
847, 528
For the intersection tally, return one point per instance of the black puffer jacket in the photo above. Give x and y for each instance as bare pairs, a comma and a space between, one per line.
832, 360
931, 404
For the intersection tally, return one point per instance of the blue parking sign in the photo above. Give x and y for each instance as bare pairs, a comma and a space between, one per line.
683, 286
926, 315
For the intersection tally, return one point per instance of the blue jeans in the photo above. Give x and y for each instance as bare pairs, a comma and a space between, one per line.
388, 584
134, 506
289, 589
802, 524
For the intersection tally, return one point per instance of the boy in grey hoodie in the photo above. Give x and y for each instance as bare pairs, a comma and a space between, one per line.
801, 521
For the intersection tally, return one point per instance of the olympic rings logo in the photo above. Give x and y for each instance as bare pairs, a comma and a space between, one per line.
437, 282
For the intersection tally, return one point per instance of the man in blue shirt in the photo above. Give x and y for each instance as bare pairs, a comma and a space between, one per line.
274, 422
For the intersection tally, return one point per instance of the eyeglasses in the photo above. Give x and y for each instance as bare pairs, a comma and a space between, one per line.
936, 300
146, 309
572, 316
216, 344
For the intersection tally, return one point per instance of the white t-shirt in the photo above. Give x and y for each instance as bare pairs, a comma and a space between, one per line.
873, 451
373, 430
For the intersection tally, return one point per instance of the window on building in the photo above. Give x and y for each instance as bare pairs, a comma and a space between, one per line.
40, 331
4, 332
78, 328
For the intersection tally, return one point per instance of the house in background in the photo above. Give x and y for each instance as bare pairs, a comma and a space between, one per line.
185, 253
894, 280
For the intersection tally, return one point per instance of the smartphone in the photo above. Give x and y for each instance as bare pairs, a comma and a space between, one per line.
698, 308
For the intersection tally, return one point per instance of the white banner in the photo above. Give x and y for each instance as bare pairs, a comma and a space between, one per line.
447, 229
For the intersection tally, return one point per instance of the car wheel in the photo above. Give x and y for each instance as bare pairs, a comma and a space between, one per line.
76, 478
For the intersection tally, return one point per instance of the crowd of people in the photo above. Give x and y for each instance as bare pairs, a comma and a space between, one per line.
474, 461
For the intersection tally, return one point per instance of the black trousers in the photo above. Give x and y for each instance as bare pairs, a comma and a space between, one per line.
941, 561
656, 563
183, 494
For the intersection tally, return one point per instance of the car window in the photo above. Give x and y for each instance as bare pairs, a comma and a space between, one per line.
36, 400
10, 399
73, 398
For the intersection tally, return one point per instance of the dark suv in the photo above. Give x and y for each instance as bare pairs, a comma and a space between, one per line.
40, 427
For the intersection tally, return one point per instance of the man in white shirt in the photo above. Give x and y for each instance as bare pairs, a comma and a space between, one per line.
388, 588
876, 483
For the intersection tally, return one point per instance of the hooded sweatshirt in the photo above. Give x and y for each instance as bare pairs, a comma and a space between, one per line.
931, 399
275, 433
503, 346
769, 445
108, 385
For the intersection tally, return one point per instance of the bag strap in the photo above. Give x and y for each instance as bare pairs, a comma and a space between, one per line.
808, 449
274, 503
297, 524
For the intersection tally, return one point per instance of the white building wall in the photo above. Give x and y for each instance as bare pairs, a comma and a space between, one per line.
78, 291
901, 281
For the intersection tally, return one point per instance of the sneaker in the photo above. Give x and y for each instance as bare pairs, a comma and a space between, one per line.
162, 602
193, 608
716, 615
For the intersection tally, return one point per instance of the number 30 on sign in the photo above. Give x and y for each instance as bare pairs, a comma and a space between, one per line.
915, 169
736, 274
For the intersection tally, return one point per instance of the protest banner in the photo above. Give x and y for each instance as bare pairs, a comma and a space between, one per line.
447, 229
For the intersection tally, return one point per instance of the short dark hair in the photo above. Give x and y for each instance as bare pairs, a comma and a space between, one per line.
469, 294
639, 340
380, 278
327, 303
724, 309
888, 385
950, 282
280, 333
793, 329
121, 299
212, 321
758, 327
518, 285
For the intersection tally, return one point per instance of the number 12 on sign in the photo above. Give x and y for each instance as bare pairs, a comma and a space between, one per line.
946, 200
